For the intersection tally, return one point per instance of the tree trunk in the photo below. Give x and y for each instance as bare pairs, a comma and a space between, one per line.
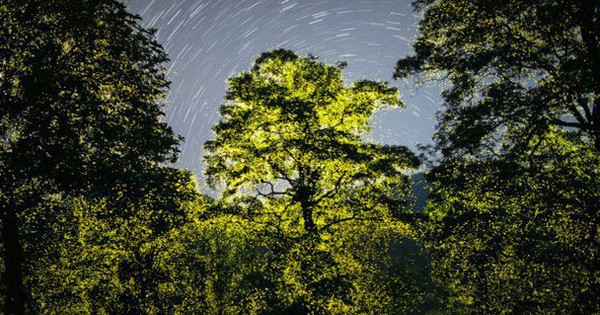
307, 215
15, 297
588, 16
304, 194
596, 121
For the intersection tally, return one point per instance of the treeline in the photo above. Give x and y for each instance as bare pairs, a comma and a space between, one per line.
310, 218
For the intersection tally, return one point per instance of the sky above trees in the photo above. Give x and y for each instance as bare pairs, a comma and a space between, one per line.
210, 41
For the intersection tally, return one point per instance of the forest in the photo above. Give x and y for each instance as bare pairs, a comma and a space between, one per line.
307, 216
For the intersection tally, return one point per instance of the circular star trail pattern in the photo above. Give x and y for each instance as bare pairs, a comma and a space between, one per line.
209, 41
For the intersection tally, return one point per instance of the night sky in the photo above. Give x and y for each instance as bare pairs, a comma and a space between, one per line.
209, 41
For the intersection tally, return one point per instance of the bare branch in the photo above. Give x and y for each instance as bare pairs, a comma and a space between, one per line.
576, 114
569, 124
284, 176
586, 109
273, 192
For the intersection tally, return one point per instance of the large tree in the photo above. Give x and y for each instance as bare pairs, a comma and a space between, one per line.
292, 137
81, 90
514, 68
514, 218
519, 236
290, 156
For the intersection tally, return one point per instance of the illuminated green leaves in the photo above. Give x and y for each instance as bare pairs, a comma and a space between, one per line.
517, 235
289, 156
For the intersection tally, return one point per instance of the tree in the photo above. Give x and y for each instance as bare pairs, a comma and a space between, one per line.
515, 198
289, 155
82, 85
103, 255
519, 236
514, 68
291, 138
221, 261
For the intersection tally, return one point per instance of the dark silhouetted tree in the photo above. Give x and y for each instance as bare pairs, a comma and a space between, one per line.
514, 212
519, 236
514, 68
81, 90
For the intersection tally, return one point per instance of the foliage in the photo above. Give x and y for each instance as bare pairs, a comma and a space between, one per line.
311, 217
514, 68
291, 142
102, 255
289, 156
520, 236
513, 223
234, 265
221, 265
81, 90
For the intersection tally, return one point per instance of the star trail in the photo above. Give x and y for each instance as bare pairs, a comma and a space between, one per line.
211, 40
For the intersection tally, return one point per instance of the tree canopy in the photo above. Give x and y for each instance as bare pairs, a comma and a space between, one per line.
292, 138
519, 235
514, 68
513, 218
82, 86
82, 89
290, 156
309, 215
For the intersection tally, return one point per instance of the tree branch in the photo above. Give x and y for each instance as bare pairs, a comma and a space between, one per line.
272, 192
569, 124
576, 114
586, 109
333, 191
284, 175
